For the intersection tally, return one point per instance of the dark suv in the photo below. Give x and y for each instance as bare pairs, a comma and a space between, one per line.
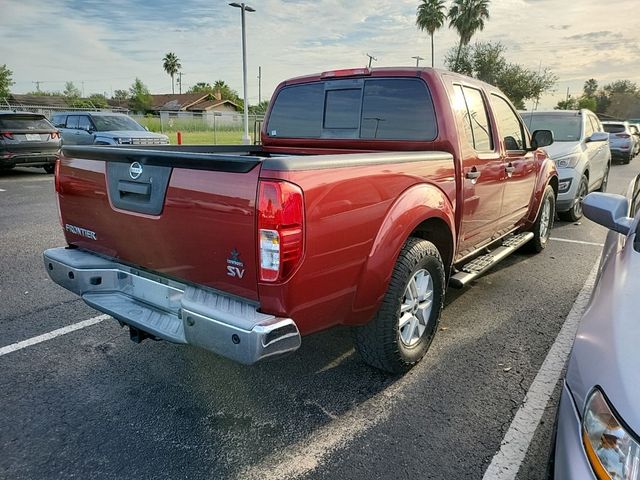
28, 140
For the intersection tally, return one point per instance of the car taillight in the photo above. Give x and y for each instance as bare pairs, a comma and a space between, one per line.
55, 135
349, 72
7, 135
623, 135
280, 229
56, 175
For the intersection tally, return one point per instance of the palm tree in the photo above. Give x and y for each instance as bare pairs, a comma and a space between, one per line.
430, 17
467, 17
171, 65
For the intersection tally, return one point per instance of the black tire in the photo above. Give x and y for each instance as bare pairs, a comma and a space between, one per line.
575, 212
605, 179
49, 168
381, 343
540, 234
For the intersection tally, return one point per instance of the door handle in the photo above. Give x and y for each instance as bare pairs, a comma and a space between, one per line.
509, 169
472, 174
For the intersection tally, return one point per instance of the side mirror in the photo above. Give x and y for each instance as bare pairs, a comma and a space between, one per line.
598, 137
609, 210
541, 138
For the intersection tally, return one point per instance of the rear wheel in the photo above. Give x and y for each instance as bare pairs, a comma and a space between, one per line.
544, 222
575, 213
402, 330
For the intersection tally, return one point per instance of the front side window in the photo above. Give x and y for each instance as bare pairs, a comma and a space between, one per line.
588, 128
508, 124
84, 123
72, 121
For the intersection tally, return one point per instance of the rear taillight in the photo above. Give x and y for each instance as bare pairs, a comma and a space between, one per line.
55, 135
7, 135
623, 135
56, 175
280, 229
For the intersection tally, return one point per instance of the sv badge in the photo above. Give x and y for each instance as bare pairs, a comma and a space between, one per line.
235, 267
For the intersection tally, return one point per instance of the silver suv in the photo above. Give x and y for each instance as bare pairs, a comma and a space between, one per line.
103, 128
580, 151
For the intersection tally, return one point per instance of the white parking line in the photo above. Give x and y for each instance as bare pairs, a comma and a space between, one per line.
576, 241
2, 190
48, 336
514, 446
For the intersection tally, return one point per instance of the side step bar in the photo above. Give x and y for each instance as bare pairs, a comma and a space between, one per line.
481, 264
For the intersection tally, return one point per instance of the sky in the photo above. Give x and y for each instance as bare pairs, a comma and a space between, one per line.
104, 45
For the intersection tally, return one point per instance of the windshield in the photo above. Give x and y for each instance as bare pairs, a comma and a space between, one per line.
107, 123
564, 128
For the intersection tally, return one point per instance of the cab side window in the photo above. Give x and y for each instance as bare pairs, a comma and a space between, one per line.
509, 124
595, 123
72, 121
84, 123
470, 103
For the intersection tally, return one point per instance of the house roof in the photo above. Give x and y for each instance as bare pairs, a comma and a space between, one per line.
211, 105
39, 100
177, 101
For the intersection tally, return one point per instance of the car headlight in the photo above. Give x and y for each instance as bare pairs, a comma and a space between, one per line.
569, 161
612, 452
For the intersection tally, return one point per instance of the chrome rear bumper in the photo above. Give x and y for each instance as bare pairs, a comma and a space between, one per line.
171, 310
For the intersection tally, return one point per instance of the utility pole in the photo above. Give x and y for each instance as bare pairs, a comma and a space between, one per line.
244, 8
567, 94
180, 81
82, 83
37, 84
371, 57
418, 58
259, 85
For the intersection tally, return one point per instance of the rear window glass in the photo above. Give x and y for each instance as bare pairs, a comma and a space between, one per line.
342, 108
565, 128
24, 123
297, 112
609, 128
384, 109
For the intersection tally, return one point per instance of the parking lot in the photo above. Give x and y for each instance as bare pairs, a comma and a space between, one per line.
89, 403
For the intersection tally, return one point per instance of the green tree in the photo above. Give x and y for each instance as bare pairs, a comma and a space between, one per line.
620, 86
71, 91
121, 95
171, 65
590, 88
486, 62
430, 17
98, 100
260, 108
569, 103
6, 81
467, 17
201, 87
140, 96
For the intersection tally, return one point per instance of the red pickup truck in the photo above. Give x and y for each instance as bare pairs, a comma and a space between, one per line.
371, 192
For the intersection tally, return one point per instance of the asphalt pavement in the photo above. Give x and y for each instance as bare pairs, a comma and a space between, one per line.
92, 404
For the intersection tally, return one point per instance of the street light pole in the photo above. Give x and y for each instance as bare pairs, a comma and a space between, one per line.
245, 138
418, 58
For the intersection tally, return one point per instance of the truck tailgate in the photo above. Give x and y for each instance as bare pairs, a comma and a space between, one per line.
188, 216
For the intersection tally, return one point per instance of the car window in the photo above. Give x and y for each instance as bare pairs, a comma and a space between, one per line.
565, 128
595, 124
460, 105
482, 140
84, 123
59, 121
635, 200
613, 128
508, 124
24, 122
107, 123
342, 108
72, 121
588, 127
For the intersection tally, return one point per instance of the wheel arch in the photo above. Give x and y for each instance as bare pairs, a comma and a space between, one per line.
423, 211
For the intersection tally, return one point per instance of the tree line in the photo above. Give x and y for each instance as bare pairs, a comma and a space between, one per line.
619, 99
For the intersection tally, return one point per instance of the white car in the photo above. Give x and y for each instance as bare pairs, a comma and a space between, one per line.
580, 151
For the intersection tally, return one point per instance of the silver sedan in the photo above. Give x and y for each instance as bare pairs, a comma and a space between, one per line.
599, 415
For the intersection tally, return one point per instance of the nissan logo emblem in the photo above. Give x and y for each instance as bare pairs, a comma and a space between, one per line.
135, 170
